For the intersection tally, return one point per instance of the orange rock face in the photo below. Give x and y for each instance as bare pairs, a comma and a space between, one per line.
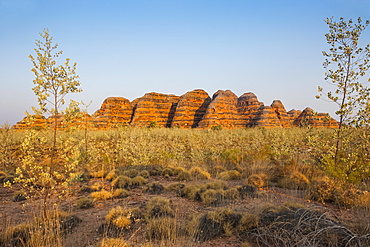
309, 117
191, 109
266, 117
155, 109
195, 109
247, 107
282, 114
222, 111
31, 122
114, 112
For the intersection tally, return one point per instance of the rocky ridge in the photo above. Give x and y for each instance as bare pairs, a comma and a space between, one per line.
194, 109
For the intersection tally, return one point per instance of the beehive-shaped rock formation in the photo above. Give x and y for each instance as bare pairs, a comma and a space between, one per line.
194, 109
155, 109
309, 117
32, 122
247, 107
266, 117
191, 108
114, 112
282, 114
222, 111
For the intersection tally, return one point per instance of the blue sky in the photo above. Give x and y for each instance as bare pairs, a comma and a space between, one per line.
131, 47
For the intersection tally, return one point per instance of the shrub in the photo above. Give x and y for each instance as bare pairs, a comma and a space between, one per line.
113, 242
154, 188
167, 172
184, 176
111, 175
218, 169
144, 174
212, 197
164, 228
176, 186
98, 174
120, 193
101, 195
199, 174
138, 181
248, 221
295, 180
85, 202
205, 227
159, 207
131, 173
96, 187
323, 190
122, 182
232, 194
177, 170
255, 180
229, 175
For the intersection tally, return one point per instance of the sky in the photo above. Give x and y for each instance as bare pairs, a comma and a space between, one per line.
128, 48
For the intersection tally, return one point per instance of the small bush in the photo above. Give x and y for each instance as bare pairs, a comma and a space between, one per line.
131, 173
111, 175
120, 193
184, 176
113, 242
154, 188
164, 228
168, 172
98, 174
212, 197
323, 190
159, 207
255, 180
198, 173
85, 202
232, 194
122, 182
138, 181
295, 180
101, 195
248, 222
246, 190
96, 187
144, 174
176, 186
177, 170
229, 175
205, 227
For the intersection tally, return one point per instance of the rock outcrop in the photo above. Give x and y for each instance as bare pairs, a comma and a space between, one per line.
194, 109
114, 112
309, 117
247, 107
222, 111
155, 109
191, 109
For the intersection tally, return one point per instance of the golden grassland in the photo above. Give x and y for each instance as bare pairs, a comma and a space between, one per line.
214, 168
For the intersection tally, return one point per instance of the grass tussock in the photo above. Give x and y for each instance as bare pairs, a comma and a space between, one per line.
229, 175
158, 207
85, 202
101, 195
113, 242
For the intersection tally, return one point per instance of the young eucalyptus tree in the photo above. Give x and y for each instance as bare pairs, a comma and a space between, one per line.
346, 64
53, 82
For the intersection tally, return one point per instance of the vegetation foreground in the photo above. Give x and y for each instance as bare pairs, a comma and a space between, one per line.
174, 187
